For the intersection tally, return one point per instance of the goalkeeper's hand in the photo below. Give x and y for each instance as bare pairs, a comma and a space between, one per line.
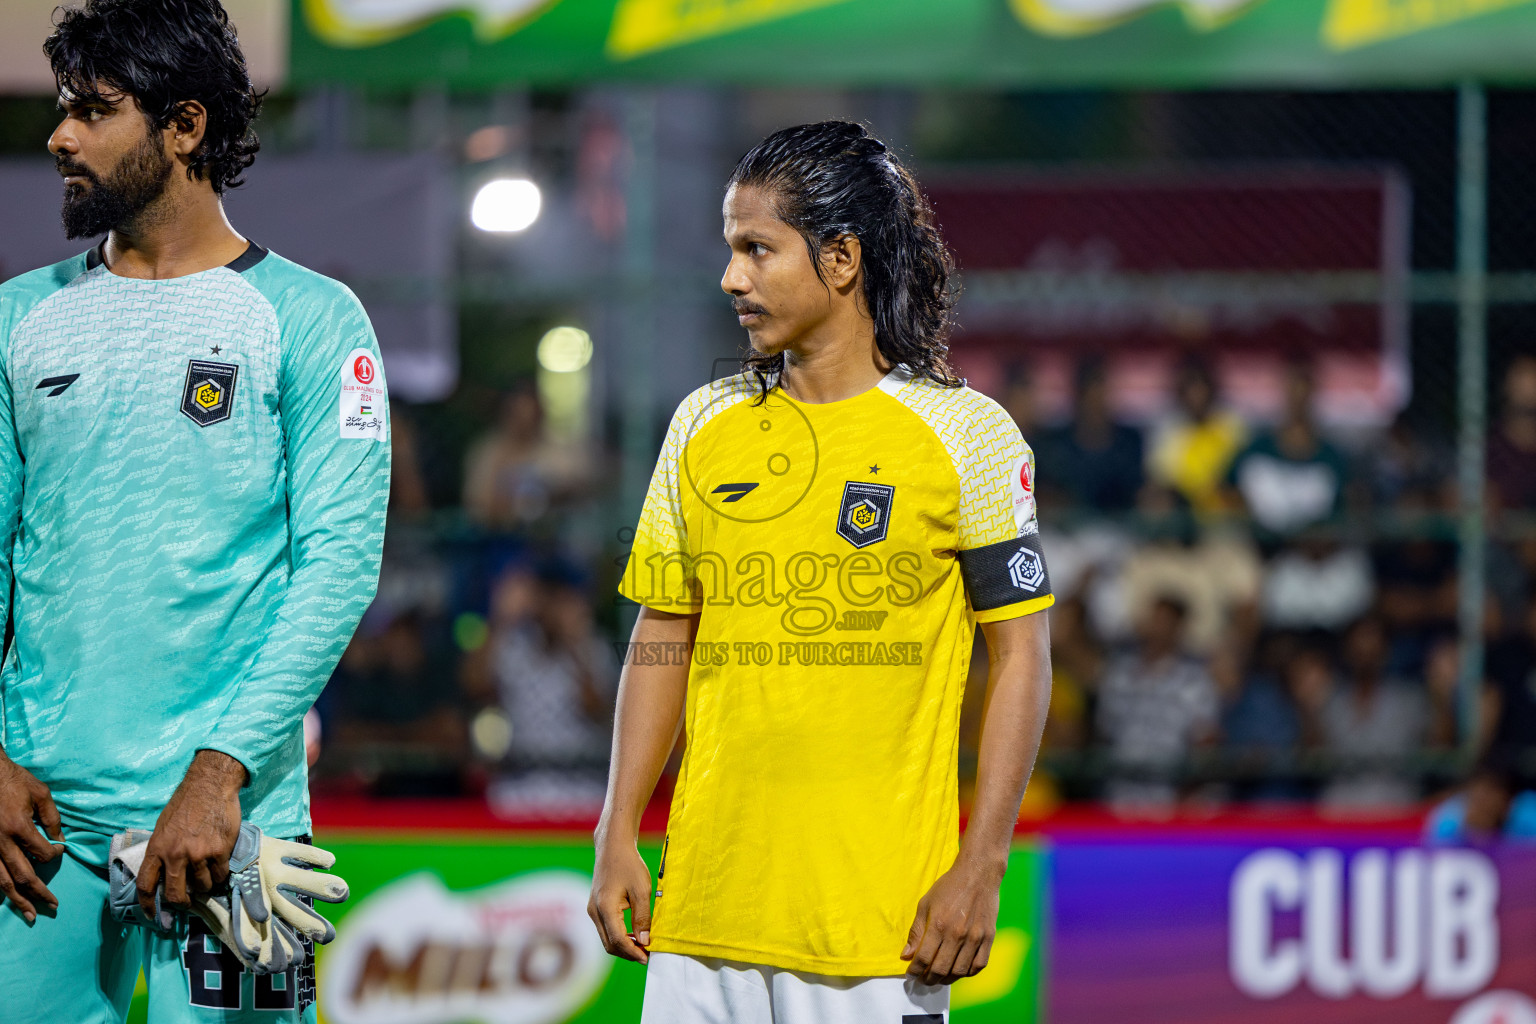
259, 915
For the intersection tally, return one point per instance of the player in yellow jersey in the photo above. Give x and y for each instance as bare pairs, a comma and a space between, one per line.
821, 536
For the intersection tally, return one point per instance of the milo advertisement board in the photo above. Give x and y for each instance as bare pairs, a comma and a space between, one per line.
442, 931
494, 930
1178, 924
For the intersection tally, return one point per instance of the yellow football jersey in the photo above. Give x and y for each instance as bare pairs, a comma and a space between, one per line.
839, 555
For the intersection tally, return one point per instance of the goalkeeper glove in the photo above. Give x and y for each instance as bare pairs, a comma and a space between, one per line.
123, 862
259, 915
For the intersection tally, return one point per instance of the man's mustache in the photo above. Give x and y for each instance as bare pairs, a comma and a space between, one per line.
743, 308
67, 167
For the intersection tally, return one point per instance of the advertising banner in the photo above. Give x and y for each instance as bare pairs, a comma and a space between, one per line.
1127, 241
493, 929
1249, 267
442, 930
1113, 923
1218, 933
1148, 43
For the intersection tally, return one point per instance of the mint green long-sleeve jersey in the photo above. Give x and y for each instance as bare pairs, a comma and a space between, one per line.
193, 481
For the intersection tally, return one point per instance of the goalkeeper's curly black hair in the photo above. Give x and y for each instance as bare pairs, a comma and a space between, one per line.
834, 178
164, 53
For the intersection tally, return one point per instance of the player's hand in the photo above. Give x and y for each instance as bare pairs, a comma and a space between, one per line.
195, 834
621, 881
24, 804
951, 936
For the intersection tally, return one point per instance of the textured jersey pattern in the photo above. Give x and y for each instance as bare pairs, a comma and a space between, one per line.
817, 799
984, 444
662, 527
178, 586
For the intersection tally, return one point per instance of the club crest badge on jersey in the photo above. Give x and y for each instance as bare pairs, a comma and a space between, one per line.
865, 514
208, 397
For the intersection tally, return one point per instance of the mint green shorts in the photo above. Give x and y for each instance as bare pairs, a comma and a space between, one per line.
80, 966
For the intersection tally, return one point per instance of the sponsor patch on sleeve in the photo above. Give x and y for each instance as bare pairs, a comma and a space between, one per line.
1021, 485
362, 396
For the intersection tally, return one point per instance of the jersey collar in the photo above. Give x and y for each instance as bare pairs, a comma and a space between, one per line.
253, 255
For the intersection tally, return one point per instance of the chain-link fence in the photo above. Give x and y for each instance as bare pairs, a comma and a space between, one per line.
1244, 333
1272, 351
1263, 344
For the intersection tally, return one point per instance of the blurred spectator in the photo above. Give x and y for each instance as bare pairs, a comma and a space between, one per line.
1216, 574
514, 474
1404, 471
1292, 477
1370, 724
407, 485
1018, 401
1075, 666
391, 714
1493, 805
1096, 461
1258, 715
1086, 562
1317, 584
1442, 674
1310, 680
1509, 698
1193, 453
1416, 580
1507, 572
1260, 727
1156, 705
1512, 448
548, 669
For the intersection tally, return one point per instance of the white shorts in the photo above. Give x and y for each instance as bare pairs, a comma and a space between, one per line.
698, 990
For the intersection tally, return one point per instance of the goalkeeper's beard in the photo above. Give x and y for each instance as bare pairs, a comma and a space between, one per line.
121, 197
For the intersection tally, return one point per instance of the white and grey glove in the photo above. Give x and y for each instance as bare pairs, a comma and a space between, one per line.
289, 875
239, 915
124, 859
259, 915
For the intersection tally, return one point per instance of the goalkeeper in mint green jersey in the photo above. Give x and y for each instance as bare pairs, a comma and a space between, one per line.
194, 469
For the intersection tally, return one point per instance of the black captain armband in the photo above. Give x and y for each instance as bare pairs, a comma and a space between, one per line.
1009, 572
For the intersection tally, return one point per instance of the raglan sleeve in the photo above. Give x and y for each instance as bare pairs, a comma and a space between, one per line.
660, 571
333, 408
1001, 560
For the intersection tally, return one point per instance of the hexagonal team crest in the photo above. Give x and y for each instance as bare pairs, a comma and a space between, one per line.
1026, 569
208, 397
865, 514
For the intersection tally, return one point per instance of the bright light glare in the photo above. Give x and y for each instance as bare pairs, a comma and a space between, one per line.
491, 733
506, 204
565, 349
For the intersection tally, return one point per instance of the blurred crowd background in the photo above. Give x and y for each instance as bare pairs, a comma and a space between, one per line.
1258, 567
1235, 620
1262, 479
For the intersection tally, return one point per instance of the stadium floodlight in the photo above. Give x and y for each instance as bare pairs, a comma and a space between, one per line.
506, 205
565, 349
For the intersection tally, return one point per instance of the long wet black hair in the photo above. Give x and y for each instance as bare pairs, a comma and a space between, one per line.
164, 53
833, 179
